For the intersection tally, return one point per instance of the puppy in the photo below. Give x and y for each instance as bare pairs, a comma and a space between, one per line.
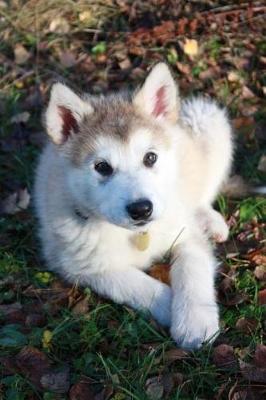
127, 178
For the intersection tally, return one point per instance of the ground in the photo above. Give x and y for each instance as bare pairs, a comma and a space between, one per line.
60, 342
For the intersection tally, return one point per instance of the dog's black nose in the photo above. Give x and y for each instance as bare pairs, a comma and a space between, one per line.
141, 209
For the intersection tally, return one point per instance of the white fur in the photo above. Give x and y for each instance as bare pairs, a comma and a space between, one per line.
159, 78
100, 252
61, 95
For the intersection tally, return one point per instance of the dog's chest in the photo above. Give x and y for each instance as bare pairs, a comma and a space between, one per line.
116, 248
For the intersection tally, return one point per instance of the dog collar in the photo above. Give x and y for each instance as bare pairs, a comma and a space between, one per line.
141, 240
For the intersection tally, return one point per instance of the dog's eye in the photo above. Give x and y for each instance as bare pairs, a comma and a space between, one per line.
150, 159
103, 168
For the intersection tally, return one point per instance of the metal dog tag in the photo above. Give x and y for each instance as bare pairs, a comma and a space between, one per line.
142, 241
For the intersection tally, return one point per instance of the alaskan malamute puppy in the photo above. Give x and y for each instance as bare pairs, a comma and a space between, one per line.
126, 179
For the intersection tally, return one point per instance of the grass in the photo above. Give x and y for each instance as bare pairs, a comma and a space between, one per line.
122, 353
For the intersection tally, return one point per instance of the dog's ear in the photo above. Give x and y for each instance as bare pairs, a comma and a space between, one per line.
64, 113
159, 95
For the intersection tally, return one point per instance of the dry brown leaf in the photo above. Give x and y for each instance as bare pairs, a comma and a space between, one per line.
246, 325
242, 122
260, 272
81, 391
175, 354
262, 297
154, 388
21, 117
252, 373
164, 32
233, 299
161, 272
233, 76
209, 73
56, 381
22, 55
8, 365
224, 356
86, 16
59, 25
12, 313
35, 319
33, 364
81, 307
15, 202
247, 93
262, 164
260, 356
125, 64
68, 59
257, 256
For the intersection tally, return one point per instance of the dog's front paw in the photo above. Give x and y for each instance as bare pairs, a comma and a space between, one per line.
192, 328
161, 305
214, 224
218, 228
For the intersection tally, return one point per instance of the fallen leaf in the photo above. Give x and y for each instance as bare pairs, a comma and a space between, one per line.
183, 68
154, 388
35, 319
12, 313
224, 356
260, 272
252, 372
125, 64
21, 117
246, 325
262, 164
209, 73
191, 47
105, 394
81, 391
262, 297
81, 307
15, 202
257, 256
175, 354
59, 25
164, 32
33, 364
21, 54
47, 339
56, 381
239, 395
260, 356
10, 336
248, 392
233, 76
68, 59
161, 272
242, 122
247, 93
233, 299
86, 16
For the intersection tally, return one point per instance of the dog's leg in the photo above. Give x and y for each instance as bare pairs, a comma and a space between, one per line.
136, 289
213, 224
194, 310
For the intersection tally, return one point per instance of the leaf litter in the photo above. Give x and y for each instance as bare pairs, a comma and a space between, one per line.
213, 48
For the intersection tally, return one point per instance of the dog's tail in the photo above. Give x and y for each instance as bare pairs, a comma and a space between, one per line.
235, 187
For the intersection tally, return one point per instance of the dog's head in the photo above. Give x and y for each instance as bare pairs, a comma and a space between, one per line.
118, 151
